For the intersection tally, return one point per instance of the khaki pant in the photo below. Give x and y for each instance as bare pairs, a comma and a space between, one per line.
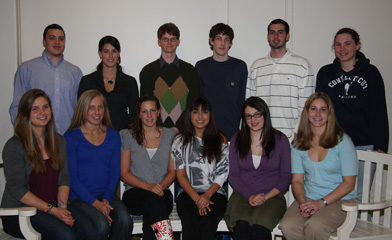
317, 227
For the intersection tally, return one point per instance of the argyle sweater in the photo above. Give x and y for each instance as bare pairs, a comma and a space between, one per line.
174, 86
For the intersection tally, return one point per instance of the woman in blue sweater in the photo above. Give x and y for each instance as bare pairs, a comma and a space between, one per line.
94, 163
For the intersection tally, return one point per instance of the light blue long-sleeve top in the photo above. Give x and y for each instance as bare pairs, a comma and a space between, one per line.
60, 82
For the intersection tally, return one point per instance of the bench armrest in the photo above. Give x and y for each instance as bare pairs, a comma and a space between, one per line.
24, 214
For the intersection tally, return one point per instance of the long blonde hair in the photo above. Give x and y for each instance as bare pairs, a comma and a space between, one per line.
82, 108
332, 134
23, 129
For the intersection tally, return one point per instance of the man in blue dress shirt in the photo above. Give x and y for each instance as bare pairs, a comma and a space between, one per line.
52, 74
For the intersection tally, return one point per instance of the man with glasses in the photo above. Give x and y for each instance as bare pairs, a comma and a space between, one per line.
282, 79
173, 81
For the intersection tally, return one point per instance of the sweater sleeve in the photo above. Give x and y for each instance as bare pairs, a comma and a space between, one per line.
285, 164
83, 86
114, 175
319, 81
242, 91
378, 113
64, 173
235, 179
132, 99
15, 164
146, 83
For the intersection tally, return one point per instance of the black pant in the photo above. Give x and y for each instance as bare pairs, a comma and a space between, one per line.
153, 207
199, 227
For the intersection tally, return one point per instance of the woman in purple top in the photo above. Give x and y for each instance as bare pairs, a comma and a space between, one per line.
260, 172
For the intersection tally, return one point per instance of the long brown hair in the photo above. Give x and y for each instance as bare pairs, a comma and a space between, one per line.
267, 137
23, 129
82, 108
136, 128
332, 134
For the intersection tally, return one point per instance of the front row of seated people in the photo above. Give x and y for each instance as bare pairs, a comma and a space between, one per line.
74, 190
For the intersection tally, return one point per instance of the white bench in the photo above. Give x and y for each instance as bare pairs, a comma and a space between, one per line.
176, 222
378, 200
23, 213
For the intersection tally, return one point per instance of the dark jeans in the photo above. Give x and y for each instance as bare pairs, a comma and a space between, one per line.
199, 227
93, 223
153, 207
48, 225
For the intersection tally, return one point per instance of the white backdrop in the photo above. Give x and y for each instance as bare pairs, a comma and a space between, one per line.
313, 24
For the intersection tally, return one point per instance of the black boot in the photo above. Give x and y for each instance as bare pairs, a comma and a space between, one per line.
260, 233
242, 230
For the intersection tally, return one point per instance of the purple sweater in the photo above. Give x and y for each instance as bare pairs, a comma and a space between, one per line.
274, 173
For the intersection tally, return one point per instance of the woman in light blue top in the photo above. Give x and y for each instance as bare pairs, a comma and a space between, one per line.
324, 168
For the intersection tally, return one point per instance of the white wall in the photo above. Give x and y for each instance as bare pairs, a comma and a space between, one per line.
313, 25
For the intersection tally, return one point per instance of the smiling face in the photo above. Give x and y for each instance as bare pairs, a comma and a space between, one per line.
318, 113
168, 43
254, 119
149, 113
54, 43
345, 48
277, 36
200, 119
221, 45
96, 111
109, 55
40, 113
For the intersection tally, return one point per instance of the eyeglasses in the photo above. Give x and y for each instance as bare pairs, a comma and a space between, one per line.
256, 115
165, 39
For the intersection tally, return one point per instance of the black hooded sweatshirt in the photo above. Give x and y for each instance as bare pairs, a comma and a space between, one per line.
358, 97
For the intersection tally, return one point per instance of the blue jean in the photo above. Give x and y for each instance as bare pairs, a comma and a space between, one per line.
94, 224
48, 225
361, 166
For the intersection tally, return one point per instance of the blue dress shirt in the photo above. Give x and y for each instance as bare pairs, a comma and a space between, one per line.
60, 82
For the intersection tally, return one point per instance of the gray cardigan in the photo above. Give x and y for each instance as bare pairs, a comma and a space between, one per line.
17, 171
148, 170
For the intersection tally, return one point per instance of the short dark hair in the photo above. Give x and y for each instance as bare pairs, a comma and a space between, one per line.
169, 28
354, 34
115, 43
53, 26
280, 21
221, 28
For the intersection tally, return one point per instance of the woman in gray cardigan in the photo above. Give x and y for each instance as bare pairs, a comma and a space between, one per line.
147, 170
36, 170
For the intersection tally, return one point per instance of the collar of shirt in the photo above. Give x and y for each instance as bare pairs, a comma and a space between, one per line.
48, 60
162, 62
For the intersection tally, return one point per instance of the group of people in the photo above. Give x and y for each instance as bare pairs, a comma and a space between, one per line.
179, 130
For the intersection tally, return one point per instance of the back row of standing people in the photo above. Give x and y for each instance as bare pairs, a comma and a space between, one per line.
283, 79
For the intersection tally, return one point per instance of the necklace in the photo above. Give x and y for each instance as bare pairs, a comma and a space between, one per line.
110, 81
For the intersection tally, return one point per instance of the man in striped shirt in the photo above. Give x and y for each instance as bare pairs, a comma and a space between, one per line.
282, 79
